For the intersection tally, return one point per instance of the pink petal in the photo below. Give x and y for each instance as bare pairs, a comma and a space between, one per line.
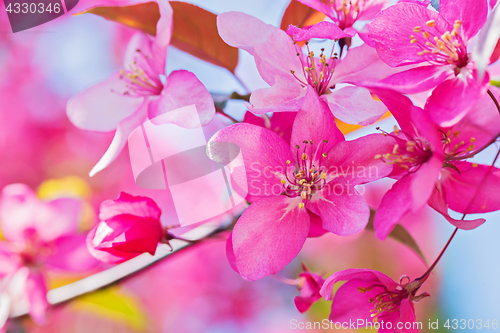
417, 79
407, 315
264, 154
343, 211
36, 291
103, 106
446, 111
316, 228
302, 303
362, 64
273, 50
70, 254
392, 28
487, 49
471, 13
125, 127
230, 253
164, 28
364, 34
127, 204
314, 122
473, 190
354, 160
438, 203
320, 6
269, 235
367, 275
371, 9
324, 30
355, 105
182, 89
424, 180
285, 95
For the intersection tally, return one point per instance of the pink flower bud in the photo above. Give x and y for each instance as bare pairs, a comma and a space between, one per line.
129, 226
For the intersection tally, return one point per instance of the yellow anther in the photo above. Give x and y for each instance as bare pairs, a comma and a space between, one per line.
304, 156
324, 155
302, 181
474, 165
431, 23
413, 41
472, 140
301, 205
283, 181
377, 157
426, 35
288, 162
323, 175
417, 29
303, 195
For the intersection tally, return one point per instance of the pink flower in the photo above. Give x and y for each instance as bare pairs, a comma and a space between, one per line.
280, 122
129, 226
346, 13
315, 174
40, 235
289, 72
309, 285
408, 33
370, 295
128, 97
430, 163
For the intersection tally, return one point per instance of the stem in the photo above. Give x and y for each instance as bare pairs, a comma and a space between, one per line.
226, 115
472, 154
242, 83
285, 280
428, 272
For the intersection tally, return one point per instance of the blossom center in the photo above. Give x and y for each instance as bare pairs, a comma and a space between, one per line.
317, 71
347, 11
461, 148
409, 153
448, 49
309, 175
140, 77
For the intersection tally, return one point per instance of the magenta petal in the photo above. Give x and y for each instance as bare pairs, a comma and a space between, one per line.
264, 154
452, 99
316, 228
343, 210
320, 6
354, 105
355, 160
125, 127
471, 13
285, 95
324, 29
302, 303
36, 291
71, 255
392, 28
424, 180
407, 315
230, 253
417, 79
183, 89
438, 203
103, 106
315, 122
474, 189
127, 204
371, 9
269, 235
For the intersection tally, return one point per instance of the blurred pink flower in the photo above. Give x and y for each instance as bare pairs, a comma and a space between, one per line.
317, 175
282, 64
371, 295
128, 97
129, 226
408, 33
309, 285
40, 235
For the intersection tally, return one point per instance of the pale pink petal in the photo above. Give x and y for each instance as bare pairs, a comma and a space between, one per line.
487, 42
36, 290
183, 89
264, 154
103, 106
324, 29
285, 95
472, 190
269, 235
362, 64
355, 160
132, 205
471, 13
355, 105
438, 203
364, 34
417, 79
315, 122
274, 52
70, 254
164, 28
343, 210
320, 6
392, 28
446, 111
125, 127
372, 8
366, 275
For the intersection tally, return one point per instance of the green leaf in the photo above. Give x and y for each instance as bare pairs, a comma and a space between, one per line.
400, 234
495, 83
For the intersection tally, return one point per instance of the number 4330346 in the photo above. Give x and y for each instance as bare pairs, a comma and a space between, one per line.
471, 324
33, 8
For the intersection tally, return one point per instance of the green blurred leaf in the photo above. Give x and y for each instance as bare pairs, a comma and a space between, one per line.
400, 234
495, 83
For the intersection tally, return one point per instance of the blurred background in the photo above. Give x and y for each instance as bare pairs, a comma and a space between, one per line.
196, 290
